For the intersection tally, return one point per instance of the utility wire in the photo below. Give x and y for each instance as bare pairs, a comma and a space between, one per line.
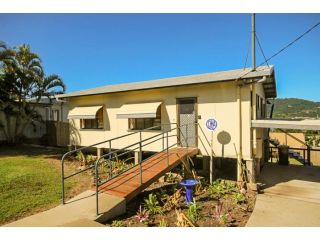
291, 43
284, 48
245, 64
264, 56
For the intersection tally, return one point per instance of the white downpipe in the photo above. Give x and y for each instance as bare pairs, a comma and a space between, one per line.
254, 136
239, 157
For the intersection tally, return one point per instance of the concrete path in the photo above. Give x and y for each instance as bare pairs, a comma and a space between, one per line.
77, 212
291, 197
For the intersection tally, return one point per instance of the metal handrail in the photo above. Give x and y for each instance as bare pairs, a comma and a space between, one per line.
109, 160
112, 154
306, 157
63, 177
98, 161
207, 140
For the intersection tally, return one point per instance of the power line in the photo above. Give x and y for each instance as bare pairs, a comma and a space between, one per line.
291, 43
285, 47
264, 56
245, 64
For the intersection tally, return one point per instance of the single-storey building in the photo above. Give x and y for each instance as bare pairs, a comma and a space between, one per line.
232, 98
50, 110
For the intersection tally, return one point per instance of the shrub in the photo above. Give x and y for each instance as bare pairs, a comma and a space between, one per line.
221, 187
239, 198
81, 158
216, 190
117, 223
152, 204
230, 186
90, 159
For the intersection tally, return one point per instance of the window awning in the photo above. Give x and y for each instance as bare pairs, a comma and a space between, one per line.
84, 112
139, 110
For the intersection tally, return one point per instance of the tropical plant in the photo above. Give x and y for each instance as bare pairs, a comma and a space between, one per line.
193, 211
163, 223
162, 195
119, 165
143, 215
117, 223
90, 159
221, 187
216, 190
152, 204
201, 187
230, 186
239, 198
220, 214
169, 177
22, 85
81, 158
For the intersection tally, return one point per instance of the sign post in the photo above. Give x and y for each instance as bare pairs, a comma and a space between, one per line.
211, 125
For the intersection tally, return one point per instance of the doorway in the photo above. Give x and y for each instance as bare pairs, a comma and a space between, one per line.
187, 117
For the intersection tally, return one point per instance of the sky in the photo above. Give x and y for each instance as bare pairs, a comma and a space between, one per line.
92, 50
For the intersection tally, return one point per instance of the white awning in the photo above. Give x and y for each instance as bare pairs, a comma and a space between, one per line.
139, 110
287, 124
84, 112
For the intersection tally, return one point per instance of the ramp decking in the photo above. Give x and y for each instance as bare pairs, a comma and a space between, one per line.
127, 185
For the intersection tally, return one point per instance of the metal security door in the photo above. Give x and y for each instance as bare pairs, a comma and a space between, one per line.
186, 122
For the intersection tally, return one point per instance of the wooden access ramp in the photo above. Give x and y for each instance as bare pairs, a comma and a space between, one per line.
128, 184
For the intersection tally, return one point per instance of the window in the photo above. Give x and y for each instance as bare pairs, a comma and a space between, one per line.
47, 114
96, 123
260, 107
143, 123
257, 106
55, 115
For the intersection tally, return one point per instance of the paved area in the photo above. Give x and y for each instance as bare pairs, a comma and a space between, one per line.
78, 212
291, 197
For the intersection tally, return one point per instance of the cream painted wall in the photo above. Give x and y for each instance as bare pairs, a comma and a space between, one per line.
218, 100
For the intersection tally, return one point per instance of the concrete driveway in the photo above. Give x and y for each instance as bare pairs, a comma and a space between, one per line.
291, 197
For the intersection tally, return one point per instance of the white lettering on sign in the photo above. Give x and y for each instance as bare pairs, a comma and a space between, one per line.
211, 124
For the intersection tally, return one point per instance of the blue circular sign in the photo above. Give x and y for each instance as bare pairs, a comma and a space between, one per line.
211, 124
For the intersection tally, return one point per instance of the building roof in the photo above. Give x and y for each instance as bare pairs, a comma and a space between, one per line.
231, 75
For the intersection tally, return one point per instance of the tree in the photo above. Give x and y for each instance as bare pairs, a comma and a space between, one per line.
23, 83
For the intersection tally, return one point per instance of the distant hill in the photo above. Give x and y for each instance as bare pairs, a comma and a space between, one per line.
291, 108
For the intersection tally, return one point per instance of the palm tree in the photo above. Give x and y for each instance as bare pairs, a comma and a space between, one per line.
6, 108
50, 86
23, 79
5, 52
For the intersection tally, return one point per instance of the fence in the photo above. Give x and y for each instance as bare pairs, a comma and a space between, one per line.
57, 133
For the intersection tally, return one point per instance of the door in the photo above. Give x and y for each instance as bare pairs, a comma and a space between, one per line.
187, 117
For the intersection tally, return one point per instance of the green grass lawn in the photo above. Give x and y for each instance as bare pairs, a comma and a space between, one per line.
30, 181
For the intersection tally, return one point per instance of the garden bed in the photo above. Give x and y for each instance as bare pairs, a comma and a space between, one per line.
163, 204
